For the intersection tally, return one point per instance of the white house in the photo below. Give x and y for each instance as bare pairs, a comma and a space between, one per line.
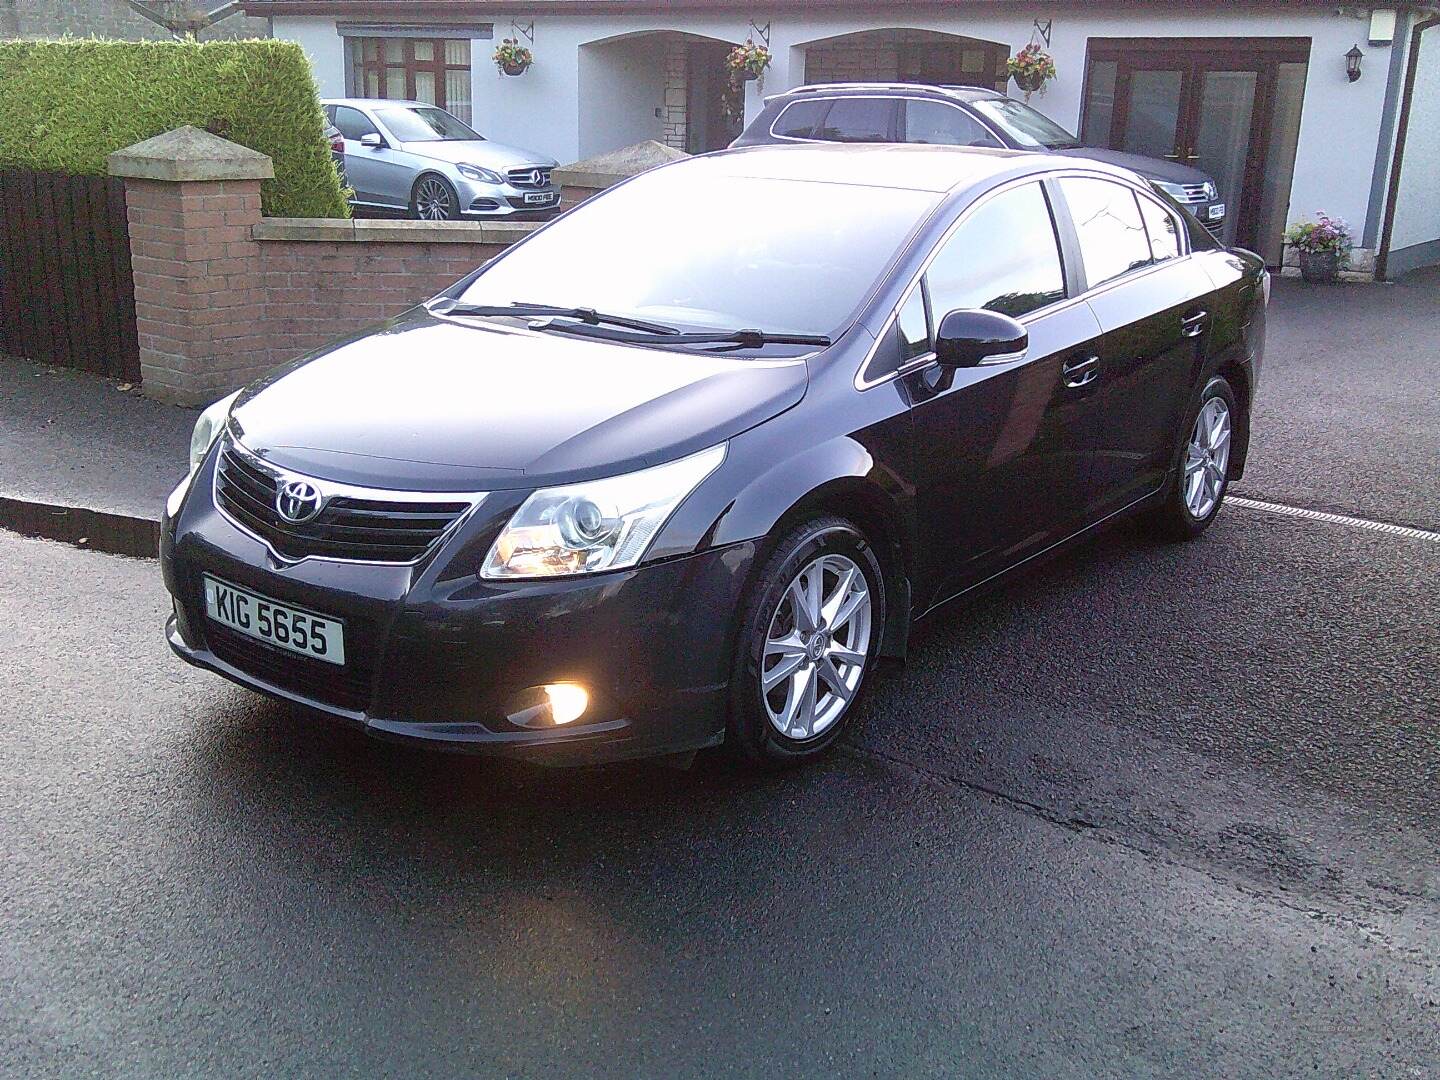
1259, 93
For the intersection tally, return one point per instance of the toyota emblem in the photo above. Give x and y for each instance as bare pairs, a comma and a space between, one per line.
299, 501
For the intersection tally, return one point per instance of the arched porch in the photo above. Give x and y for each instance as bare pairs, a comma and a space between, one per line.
665, 85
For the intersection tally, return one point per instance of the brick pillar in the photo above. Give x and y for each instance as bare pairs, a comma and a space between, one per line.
193, 200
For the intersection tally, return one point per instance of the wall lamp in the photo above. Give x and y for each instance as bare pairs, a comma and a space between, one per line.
1352, 63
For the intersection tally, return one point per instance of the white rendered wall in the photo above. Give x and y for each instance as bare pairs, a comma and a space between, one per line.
1417, 209
543, 109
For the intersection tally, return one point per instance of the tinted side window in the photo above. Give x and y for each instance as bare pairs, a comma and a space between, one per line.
353, 123
797, 120
939, 124
1163, 229
861, 120
1004, 258
1107, 221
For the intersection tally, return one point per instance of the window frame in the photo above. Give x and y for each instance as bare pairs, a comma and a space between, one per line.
1077, 289
358, 67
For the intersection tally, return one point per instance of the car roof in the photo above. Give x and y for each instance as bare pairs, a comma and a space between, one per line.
888, 89
373, 103
895, 166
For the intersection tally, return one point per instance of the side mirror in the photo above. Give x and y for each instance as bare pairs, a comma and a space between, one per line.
372, 140
971, 337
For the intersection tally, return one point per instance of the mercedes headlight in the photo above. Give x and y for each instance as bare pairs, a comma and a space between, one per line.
475, 172
597, 525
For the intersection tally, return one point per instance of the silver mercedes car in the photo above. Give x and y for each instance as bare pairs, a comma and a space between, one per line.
418, 159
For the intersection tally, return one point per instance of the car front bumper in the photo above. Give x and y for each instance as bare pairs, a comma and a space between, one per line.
480, 200
436, 655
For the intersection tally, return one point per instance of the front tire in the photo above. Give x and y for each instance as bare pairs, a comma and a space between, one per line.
433, 198
809, 637
1196, 492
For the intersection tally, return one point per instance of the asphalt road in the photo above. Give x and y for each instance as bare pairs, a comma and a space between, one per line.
1152, 810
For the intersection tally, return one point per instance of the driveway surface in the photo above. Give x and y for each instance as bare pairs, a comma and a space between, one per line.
1149, 811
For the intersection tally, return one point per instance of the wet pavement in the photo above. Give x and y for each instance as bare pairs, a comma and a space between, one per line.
1148, 811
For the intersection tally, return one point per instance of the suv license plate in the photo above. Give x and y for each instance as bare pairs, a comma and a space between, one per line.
1217, 211
276, 624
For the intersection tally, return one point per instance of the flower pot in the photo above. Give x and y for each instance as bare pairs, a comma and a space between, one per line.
514, 67
1319, 267
746, 75
1029, 81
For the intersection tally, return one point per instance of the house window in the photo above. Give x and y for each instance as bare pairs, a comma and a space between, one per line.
436, 71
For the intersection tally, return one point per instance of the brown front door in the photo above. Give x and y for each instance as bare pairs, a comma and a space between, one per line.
1229, 107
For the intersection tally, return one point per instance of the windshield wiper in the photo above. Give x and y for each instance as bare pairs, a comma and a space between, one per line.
746, 339
588, 316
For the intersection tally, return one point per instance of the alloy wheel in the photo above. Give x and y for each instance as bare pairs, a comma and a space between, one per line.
1207, 459
433, 201
816, 647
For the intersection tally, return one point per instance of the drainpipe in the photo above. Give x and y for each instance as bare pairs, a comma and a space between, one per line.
1385, 146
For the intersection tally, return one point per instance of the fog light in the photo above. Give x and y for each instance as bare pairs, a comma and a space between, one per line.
551, 705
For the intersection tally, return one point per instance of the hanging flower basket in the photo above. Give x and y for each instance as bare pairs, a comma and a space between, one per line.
1031, 68
747, 63
512, 58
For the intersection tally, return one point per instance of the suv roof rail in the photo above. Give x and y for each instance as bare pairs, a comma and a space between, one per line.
813, 87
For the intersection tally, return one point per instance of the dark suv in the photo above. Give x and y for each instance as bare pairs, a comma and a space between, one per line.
957, 116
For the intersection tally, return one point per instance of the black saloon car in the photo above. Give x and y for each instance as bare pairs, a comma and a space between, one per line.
959, 116
655, 480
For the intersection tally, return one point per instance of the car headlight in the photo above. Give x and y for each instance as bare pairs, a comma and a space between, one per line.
208, 429
475, 172
597, 525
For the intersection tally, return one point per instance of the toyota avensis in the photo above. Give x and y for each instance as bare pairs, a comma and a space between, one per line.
683, 466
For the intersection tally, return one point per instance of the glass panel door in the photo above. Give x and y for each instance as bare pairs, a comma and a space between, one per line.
1152, 123
1221, 145
1279, 171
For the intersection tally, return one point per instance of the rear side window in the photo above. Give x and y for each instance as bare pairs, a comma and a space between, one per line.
858, 120
797, 120
939, 124
1004, 258
1113, 240
353, 124
1162, 228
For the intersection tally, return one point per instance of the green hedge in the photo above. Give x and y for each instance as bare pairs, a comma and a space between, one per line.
65, 105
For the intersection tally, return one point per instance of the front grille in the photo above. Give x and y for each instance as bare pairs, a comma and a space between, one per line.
357, 529
346, 687
525, 176
1214, 228
1193, 193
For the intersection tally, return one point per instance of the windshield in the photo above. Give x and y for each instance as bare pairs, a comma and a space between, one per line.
713, 252
1023, 124
426, 125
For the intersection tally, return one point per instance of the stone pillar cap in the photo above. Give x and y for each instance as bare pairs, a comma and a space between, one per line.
189, 153
610, 168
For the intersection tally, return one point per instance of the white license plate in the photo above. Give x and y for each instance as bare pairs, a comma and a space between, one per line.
1217, 211
279, 624
540, 198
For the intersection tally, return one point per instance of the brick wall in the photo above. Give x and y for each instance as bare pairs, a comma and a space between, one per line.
906, 56
222, 296
107, 18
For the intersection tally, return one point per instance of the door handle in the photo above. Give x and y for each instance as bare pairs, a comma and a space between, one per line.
1193, 325
1078, 373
